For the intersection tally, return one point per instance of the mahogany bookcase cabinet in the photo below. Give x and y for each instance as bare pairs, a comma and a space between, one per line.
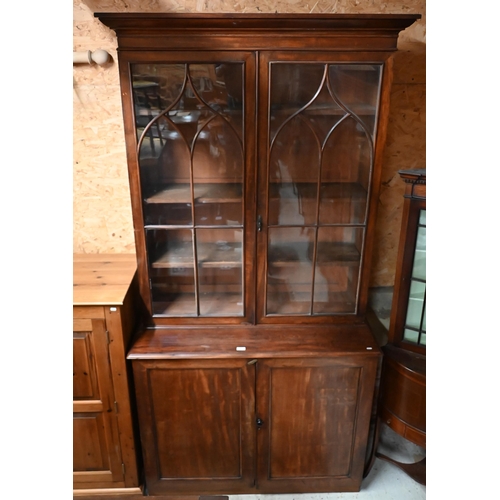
254, 145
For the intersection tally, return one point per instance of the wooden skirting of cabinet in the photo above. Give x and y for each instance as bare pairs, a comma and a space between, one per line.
256, 410
104, 302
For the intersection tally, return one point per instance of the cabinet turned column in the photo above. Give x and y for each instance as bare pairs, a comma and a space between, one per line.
104, 317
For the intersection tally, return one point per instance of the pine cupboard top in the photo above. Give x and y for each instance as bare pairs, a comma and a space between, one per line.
102, 279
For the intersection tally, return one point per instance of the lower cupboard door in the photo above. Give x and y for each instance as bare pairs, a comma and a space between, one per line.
196, 422
314, 422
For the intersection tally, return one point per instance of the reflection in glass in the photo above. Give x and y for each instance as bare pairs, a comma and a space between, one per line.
419, 259
189, 123
337, 264
290, 260
219, 256
171, 271
415, 327
322, 127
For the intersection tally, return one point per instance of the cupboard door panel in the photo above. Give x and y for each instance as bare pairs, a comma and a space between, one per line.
96, 460
314, 415
196, 425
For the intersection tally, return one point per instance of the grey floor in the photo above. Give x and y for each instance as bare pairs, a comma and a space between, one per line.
385, 481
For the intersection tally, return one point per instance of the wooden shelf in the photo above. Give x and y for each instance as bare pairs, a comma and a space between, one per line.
309, 190
328, 110
328, 254
212, 255
300, 303
214, 304
203, 193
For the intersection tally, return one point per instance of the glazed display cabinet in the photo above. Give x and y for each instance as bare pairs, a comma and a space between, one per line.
254, 145
403, 387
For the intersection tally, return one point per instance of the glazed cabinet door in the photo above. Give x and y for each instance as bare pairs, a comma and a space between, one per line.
96, 457
192, 118
318, 117
196, 425
314, 421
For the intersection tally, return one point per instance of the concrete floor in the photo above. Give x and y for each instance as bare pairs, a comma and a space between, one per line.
384, 482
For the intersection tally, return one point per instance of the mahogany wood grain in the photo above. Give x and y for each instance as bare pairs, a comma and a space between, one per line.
196, 420
316, 415
258, 342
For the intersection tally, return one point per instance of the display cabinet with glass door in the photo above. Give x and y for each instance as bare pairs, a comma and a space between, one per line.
254, 145
403, 381
315, 181
408, 319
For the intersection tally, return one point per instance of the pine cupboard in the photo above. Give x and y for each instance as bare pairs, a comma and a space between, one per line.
254, 146
104, 445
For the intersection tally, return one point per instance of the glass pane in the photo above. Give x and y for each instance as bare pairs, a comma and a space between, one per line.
293, 87
357, 88
289, 271
220, 271
422, 218
416, 311
189, 121
322, 127
419, 259
218, 175
424, 326
415, 305
171, 269
342, 203
298, 124
336, 277
345, 175
411, 335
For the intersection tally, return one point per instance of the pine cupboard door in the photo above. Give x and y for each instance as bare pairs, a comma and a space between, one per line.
197, 425
314, 419
96, 458
192, 117
319, 115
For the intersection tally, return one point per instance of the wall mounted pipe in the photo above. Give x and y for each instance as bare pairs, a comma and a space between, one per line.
99, 56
